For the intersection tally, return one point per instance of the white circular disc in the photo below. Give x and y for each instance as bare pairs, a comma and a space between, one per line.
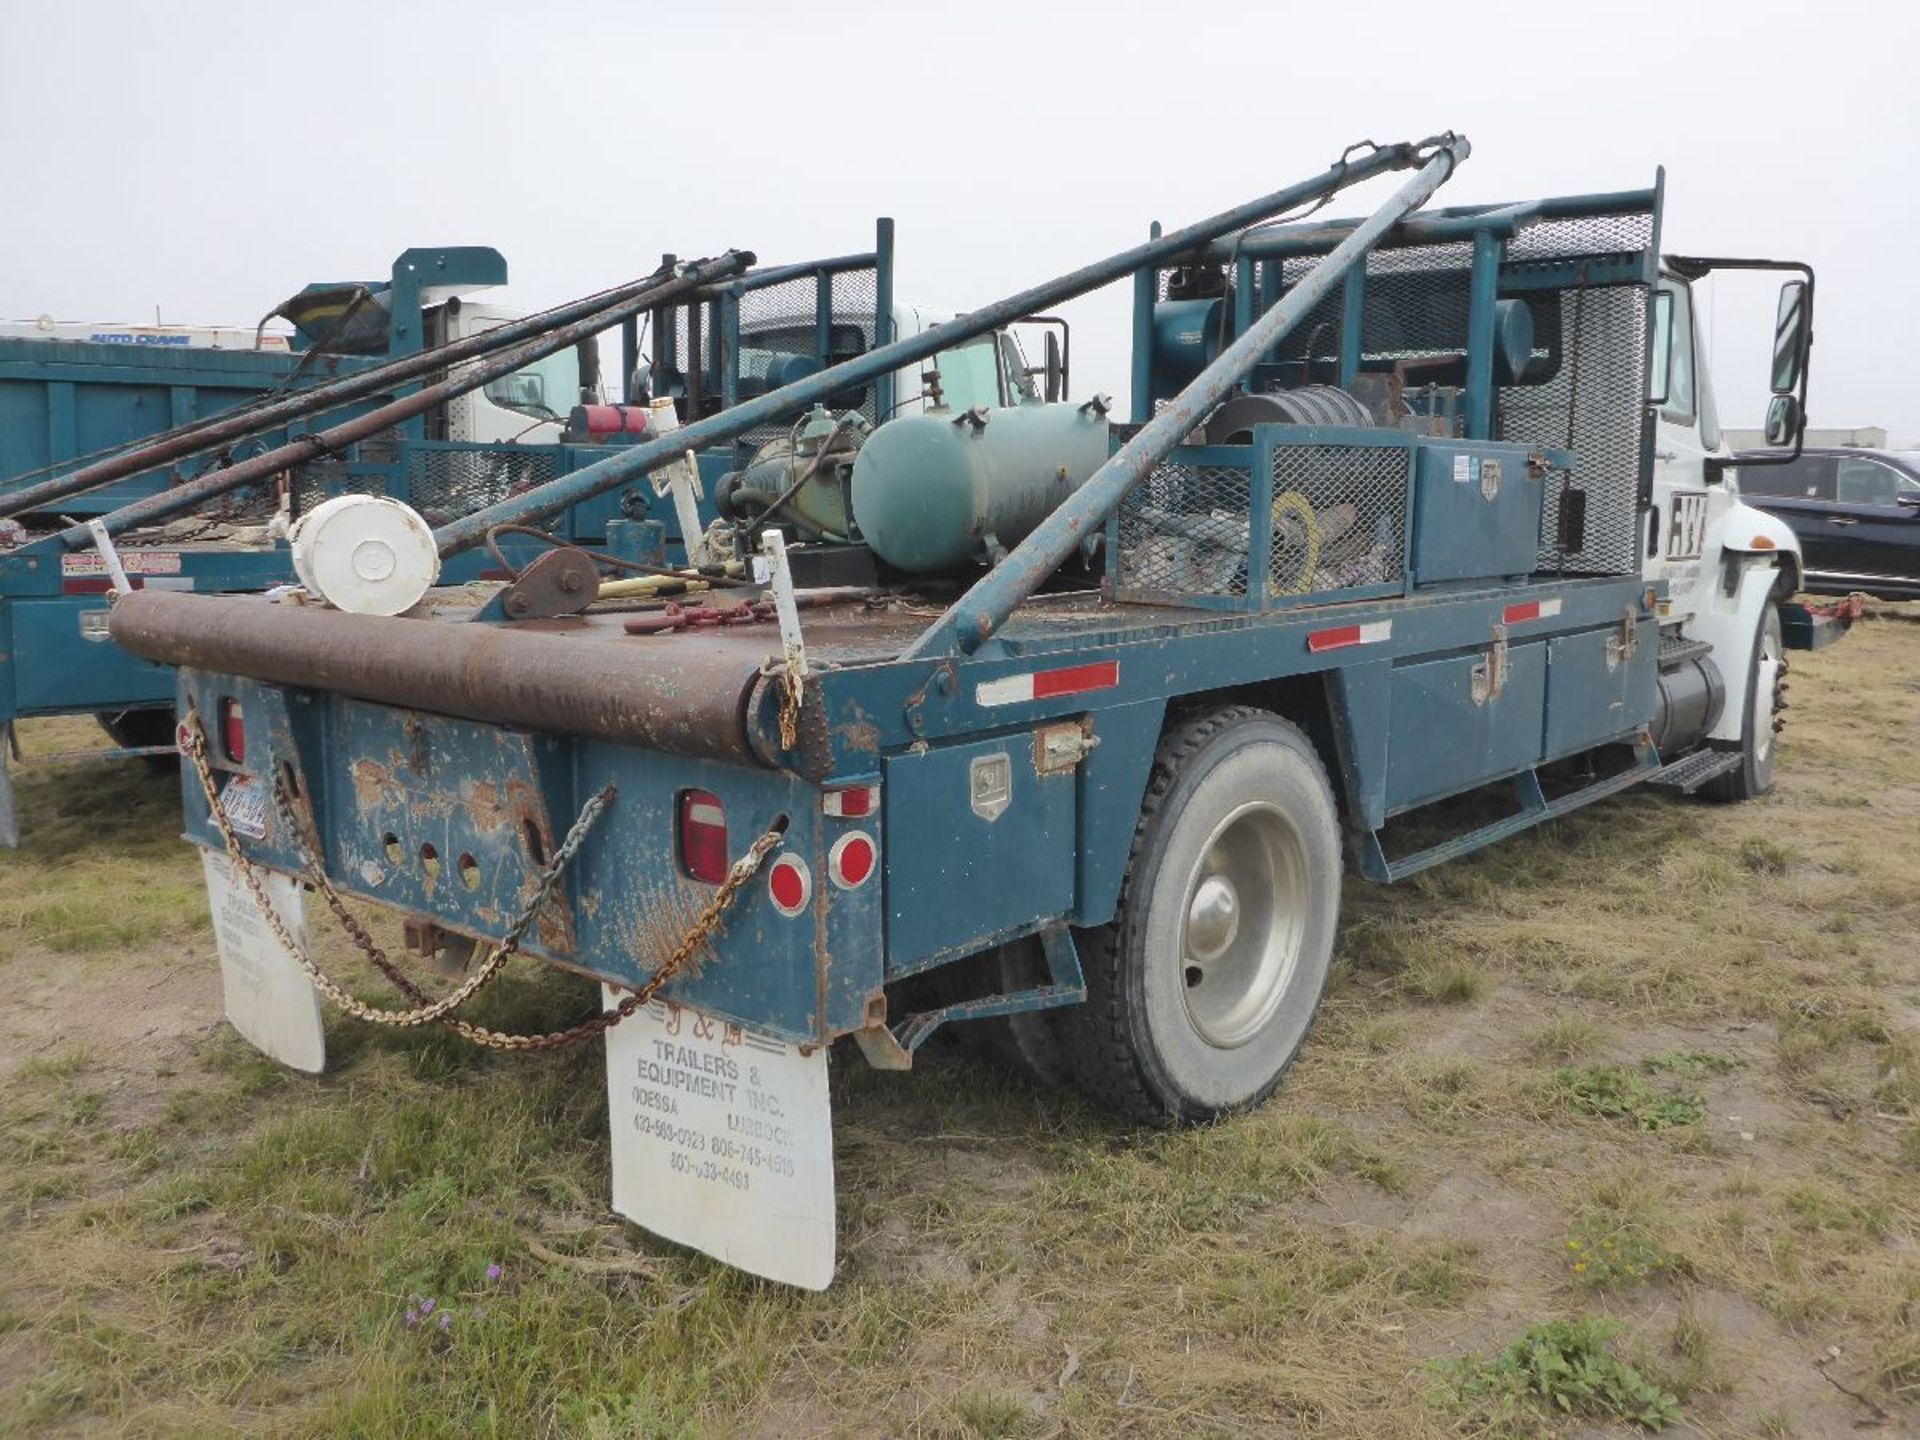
366, 554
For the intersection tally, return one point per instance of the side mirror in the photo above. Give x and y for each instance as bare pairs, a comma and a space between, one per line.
1784, 421
1791, 331
1054, 373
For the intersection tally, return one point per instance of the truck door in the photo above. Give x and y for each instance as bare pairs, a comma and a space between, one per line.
1872, 533
1681, 446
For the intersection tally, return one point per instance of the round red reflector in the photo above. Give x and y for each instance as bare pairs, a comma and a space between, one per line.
850, 861
789, 884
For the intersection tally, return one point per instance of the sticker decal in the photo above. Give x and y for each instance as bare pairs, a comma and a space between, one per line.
1687, 535
245, 801
1489, 479
1462, 469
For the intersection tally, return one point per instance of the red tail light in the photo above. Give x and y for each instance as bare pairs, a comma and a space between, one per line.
233, 731
703, 836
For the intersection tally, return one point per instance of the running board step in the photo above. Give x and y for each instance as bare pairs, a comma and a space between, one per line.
1690, 772
1534, 809
1676, 650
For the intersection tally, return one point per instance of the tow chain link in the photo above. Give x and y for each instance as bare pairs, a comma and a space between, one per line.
194, 746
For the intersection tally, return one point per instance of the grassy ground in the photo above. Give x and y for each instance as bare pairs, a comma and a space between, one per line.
1625, 1112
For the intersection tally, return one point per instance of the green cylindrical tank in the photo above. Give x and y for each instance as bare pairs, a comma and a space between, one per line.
937, 491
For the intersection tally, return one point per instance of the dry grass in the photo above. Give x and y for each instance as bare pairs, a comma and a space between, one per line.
193, 1242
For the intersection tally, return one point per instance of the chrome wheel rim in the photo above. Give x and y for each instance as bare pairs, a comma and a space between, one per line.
1242, 924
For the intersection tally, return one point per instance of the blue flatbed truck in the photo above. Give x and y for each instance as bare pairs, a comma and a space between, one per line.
1384, 530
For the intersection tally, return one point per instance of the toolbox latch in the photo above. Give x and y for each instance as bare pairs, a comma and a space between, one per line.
1057, 749
1490, 674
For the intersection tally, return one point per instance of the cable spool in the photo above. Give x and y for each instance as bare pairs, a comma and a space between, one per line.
365, 554
1233, 422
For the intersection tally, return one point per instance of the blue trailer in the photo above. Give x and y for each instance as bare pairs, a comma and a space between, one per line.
1088, 762
68, 406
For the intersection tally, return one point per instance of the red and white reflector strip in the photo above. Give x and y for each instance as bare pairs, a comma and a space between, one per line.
1530, 610
1341, 636
852, 860
1048, 684
851, 803
789, 884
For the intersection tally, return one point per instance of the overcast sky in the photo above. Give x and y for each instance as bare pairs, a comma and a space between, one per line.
209, 158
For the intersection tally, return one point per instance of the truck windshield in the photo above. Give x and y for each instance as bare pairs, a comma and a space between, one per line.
546, 389
970, 374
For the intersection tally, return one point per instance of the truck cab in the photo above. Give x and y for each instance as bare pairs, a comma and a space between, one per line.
1726, 565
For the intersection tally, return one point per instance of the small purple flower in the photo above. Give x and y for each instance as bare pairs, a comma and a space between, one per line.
413, 1317
446, 1321
426, 1306
493, 1271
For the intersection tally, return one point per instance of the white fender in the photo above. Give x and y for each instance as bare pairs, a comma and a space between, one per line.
1755, 532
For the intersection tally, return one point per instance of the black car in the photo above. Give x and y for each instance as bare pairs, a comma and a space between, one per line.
1857, 513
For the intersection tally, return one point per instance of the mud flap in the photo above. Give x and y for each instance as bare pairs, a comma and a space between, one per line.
266, 995
723, 1141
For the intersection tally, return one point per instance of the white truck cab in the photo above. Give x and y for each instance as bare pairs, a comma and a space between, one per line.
1726, 564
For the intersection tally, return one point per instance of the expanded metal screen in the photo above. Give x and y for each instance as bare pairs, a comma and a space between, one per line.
1336, 518
1185, 531
1339, 518
446, 482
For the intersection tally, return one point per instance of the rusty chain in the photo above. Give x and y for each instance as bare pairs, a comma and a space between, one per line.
193, 745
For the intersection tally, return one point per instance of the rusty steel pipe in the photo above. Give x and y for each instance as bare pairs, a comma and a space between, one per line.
685, 700
200, 436
308, 447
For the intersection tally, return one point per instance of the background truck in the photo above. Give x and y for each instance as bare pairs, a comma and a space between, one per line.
1384, 531
65, 403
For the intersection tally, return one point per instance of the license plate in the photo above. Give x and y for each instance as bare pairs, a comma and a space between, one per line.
1687, 532
245, 801
266, 994
723, 1141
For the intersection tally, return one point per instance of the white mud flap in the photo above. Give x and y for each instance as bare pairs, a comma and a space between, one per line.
268, 997
723, 1141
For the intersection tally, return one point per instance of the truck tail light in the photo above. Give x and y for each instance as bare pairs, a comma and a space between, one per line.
851, 860
233, 731
703, 836
789, 884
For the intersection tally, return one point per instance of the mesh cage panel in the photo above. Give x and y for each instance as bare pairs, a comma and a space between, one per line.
444, 484
1593, 404
1339, 518
1183, 531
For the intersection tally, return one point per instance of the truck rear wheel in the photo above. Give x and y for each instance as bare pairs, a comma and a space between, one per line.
1753, 776
1201, 991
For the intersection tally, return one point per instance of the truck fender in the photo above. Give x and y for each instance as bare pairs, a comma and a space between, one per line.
1113, 786
1749, 531
1730, 630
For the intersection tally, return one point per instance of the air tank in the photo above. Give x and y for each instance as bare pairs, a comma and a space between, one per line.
938, 491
